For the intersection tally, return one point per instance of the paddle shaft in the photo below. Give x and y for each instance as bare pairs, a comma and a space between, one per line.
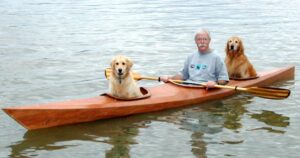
265, 92
216, 86
157, 79
149, 78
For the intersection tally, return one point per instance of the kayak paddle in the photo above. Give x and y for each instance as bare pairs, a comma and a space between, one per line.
264, 92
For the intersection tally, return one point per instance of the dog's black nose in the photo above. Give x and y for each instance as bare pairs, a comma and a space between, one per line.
231, 47
120, 70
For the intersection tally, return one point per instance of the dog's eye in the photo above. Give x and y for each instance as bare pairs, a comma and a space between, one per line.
230, 41
123, 63
117, 63
236, 41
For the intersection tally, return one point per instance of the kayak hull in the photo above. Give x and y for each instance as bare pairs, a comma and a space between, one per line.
164, 96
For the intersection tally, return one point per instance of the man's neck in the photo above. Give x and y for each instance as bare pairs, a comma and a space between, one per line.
205, 52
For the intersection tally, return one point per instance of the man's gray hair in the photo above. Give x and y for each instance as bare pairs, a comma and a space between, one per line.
202, 31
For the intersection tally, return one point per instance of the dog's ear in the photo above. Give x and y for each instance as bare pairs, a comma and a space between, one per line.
241, 47
129, 63
227, 47
112, 63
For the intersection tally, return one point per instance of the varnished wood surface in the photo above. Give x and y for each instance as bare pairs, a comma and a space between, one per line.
163, 96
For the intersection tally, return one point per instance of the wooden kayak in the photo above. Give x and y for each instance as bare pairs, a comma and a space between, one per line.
164, 96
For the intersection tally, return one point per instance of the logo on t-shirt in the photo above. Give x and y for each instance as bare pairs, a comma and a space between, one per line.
199, 66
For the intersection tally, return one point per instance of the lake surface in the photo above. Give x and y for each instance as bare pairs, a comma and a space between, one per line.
58, 50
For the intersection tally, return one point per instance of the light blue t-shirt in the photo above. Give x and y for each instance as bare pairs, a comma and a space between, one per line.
204, 67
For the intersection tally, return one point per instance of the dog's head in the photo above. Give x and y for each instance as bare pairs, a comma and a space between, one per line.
121, 66
234, 46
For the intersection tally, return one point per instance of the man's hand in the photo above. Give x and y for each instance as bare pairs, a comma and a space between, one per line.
164, 78
167, 78
210, 84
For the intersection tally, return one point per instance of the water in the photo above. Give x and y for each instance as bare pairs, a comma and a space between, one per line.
58, 50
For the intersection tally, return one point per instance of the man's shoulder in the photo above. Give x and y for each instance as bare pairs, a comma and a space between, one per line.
215, 54
192, 55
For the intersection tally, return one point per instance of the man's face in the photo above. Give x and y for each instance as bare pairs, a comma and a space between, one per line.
202, 41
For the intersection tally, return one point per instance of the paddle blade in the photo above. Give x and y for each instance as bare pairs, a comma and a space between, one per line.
269, 92
107, 73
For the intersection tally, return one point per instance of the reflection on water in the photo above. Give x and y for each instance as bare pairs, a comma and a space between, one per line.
112, 132
198, 144
272, 119
269, 129
207, 119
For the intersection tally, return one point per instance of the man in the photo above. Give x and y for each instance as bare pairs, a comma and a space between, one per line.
204, 65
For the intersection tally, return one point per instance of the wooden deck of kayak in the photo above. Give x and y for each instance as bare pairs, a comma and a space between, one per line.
164, 96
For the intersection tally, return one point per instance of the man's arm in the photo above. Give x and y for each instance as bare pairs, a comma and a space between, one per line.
211, 84
175, 77
182, 75
222, 82
222, 78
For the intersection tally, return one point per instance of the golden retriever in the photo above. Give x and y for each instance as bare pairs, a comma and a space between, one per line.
121, 81
238, 65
